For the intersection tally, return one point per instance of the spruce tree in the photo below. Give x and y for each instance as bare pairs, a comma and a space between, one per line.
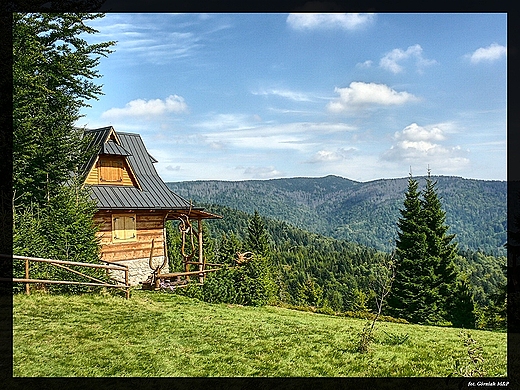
462, 313
257, 241
425, 284
54, 69
408, 299
441, 253
53, 72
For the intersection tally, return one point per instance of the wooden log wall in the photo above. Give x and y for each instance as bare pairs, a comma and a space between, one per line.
149, 225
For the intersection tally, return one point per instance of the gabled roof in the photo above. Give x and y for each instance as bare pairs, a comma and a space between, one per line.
153, 192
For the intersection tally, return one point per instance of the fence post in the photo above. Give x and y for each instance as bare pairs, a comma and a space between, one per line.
127, 289
27, 292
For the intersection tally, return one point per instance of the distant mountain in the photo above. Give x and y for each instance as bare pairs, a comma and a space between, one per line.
362, 212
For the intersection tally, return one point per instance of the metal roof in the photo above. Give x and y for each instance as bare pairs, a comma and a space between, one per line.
153, 194
110, 147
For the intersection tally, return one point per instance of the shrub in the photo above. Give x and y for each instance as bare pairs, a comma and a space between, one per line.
250, 284
63, 229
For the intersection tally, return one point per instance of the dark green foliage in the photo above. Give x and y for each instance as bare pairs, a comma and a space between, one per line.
250, 284
173, 246
337, 275
462, 311
257, 241
230, 245
486, 275
61, 230
441, 252
494, 315
409, 297
53, 73
424, 287
53, 69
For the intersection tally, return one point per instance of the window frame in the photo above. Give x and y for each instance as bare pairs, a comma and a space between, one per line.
129, 228
110, 167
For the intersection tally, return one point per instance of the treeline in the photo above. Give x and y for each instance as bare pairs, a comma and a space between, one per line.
312, 270
362, 212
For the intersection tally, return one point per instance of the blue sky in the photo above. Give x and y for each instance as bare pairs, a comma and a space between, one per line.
262, 96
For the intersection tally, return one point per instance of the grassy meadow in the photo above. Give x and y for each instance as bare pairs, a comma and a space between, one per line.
165, 335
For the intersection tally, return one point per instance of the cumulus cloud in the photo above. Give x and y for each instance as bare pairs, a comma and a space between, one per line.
491, 53
313, 21
392, 60
360, 95
423, 145
144, 108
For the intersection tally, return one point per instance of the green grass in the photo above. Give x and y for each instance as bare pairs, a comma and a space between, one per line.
160, 334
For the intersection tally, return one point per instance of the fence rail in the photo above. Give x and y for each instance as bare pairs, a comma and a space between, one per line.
63, 264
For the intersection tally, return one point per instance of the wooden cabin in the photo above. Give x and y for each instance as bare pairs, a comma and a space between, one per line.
133, 204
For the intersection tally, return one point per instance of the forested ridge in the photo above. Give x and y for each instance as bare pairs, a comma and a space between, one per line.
362, 212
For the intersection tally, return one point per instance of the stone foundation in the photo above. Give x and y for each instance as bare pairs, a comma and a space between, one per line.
138, 270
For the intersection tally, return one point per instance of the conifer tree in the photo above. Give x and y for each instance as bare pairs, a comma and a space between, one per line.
407, 299
257, 241
424, 288
441, 253
462, 313
54, 69
53, 72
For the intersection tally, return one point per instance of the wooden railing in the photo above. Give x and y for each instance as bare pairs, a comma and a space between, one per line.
64, 265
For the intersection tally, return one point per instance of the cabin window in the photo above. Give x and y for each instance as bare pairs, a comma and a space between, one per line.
123, 228
110, 171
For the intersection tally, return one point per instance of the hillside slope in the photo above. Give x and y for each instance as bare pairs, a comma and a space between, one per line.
362, 212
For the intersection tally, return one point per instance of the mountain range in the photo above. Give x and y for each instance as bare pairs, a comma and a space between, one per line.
362, 212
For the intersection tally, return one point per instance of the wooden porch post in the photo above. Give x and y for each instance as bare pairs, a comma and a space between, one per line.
201, 253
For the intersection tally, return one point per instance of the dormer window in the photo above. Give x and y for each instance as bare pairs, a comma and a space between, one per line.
110, 170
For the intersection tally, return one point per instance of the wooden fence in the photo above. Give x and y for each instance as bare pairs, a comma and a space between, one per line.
64, 265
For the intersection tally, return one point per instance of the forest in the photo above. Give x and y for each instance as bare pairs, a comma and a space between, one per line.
314, 272
363, 212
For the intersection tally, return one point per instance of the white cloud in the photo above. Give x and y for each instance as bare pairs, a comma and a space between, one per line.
423, 145
261, 172
143, 38
333, 155
312, 21
366, 64
285, 93
491, 53
391, 60
360, 95
241, 132
146, 108
416, 133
